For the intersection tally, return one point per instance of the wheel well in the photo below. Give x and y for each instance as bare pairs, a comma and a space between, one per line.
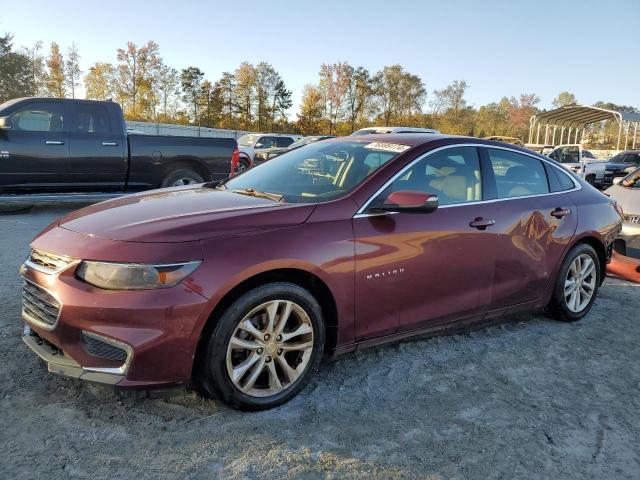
600, 250
188, 163
301, 278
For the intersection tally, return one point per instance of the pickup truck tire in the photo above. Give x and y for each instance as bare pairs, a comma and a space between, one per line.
180, 177
591, 179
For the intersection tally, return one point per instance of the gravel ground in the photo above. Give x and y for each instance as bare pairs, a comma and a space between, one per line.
530, 398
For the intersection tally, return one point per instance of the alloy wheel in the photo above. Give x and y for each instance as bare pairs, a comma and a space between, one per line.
270, 348
580, 284
183, 181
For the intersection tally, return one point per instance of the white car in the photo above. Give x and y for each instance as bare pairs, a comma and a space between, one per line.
374, 130
251, 143
584, 163
626, 191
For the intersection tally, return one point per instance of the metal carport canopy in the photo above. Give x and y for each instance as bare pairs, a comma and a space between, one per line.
575, 118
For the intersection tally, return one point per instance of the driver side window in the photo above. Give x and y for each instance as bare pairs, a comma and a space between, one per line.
453, 174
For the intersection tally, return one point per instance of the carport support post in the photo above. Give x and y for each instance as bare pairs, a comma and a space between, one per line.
561, 136
626, 136
538, 134
546, 134
635, 134
619, 135
553, 140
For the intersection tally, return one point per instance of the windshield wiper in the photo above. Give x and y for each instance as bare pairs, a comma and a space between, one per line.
256, 193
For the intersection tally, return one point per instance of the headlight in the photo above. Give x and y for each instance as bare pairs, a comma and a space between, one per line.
134, 276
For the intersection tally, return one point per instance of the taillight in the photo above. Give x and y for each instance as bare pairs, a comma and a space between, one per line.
235, 159
618, 208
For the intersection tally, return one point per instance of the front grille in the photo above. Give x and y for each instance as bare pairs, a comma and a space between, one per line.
101, 349
633, 219
38, 305
48, 262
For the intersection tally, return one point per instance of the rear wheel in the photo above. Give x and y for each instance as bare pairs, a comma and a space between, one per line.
181, 177
264, 347
591, 179
576, 285
243, 164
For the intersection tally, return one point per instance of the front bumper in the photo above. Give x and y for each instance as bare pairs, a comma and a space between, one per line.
128, 339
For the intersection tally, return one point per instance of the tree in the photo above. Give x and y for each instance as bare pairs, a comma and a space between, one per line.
99, 82
15, 71
265, 90
245, 77
563, 99
167, 81
310, 115
210, 102
398, 92
334, 81
73, 69
451, 110
191, 82
281, 100
55, 80
227, 88
36, 65
135, 80
357, 96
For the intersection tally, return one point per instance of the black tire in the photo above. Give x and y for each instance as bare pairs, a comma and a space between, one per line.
558, 308
591, 179
181, 176
243, 164
212, 370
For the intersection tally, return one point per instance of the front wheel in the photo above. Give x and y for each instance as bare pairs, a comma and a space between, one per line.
577, 284
264, 347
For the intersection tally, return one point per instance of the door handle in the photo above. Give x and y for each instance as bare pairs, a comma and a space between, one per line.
53, 142
482, 223
561, 212
109, 144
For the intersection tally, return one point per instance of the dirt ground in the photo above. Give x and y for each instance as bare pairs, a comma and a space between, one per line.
531, 398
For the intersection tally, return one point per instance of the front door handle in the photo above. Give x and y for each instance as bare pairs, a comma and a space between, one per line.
561, 212
53, 142
482, 223
109, 144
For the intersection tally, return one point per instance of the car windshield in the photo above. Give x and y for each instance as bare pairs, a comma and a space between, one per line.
248, 140
316, 172
632, 180
304, 141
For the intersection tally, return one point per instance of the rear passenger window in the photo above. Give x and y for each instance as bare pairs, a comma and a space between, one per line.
558, 180
284, 141
517, 175
91, 119
453, 174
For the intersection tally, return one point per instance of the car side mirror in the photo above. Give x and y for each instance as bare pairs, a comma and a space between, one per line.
259, 145
617, 180
410, 201
5, 122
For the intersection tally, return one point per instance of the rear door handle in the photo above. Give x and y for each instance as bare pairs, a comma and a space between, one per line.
482, 223
109, 144
53, 142
561, 212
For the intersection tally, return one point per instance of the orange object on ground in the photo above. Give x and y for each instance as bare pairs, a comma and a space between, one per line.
624, 267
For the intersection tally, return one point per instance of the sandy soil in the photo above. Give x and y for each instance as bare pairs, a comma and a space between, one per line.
531, 398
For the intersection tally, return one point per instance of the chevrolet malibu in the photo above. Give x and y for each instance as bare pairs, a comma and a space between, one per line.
240, 287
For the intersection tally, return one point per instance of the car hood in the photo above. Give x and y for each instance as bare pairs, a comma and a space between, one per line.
628, 198
617, 166
183, 214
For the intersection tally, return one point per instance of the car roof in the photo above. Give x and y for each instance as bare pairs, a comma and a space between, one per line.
416, 139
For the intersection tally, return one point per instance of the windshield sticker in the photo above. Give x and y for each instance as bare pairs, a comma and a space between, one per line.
387, 147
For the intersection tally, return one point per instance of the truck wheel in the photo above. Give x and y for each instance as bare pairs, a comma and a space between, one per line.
180, 177
264, 347
591, 179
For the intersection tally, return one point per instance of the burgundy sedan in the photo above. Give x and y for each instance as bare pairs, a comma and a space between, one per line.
241, 286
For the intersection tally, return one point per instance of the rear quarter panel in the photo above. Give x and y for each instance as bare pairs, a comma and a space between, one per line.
152, 157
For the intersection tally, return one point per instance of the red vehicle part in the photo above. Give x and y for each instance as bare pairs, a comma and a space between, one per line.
624, 267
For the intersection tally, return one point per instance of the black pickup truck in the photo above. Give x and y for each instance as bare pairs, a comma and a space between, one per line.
64, 145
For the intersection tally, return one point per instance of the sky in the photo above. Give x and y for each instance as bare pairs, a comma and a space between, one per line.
501, 48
